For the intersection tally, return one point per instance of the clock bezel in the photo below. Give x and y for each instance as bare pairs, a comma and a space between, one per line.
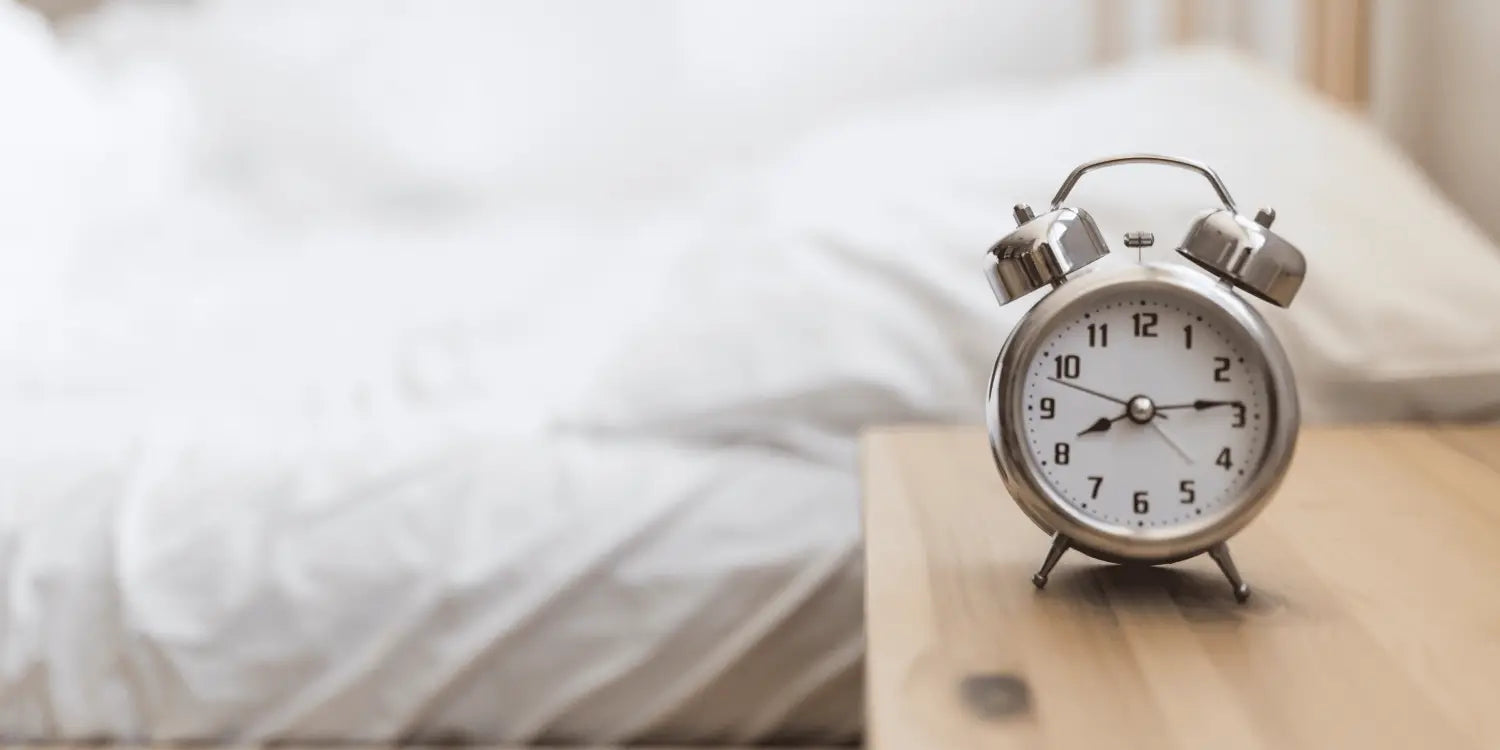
1115, 542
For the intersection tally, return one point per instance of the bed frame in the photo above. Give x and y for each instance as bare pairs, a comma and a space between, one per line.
1332, 37
1338, 45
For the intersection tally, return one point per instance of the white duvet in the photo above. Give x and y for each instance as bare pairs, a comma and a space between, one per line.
363, 469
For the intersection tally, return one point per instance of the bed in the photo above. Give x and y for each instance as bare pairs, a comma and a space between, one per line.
583, 472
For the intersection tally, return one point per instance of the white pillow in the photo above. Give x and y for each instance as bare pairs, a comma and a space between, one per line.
847, 290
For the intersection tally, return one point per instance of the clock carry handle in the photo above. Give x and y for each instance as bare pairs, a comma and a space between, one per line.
1241, 250
1171, 161
1043, 250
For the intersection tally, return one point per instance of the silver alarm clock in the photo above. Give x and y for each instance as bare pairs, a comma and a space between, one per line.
1143, 414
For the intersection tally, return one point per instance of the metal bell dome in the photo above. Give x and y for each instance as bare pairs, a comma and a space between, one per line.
1041, 251
1246, 253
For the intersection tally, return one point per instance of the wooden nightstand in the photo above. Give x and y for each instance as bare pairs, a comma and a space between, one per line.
1375, 620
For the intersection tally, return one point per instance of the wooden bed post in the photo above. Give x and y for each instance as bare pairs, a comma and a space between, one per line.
1333, 46
1336, 52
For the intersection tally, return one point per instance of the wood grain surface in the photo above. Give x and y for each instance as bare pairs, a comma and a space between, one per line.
1375, 618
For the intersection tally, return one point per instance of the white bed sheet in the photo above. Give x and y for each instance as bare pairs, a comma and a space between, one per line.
280, 467
314, 492
457, 587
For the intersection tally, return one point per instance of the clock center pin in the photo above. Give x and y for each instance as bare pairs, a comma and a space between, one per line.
1141, 409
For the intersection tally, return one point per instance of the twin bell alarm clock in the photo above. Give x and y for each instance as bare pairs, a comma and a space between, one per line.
1143, 414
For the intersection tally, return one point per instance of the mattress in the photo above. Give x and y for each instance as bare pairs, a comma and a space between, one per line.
520, 471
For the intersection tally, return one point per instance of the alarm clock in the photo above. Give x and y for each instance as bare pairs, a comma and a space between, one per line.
1143, 414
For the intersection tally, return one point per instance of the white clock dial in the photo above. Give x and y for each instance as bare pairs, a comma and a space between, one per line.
1147, 410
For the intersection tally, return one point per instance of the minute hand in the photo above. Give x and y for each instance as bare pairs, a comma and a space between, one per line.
1201, 404
1093, 392
1089, 391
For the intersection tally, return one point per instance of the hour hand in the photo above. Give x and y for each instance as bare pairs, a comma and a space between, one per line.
1101, 424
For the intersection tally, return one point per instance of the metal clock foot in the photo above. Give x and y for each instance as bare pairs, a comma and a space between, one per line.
1060, 545
1220, 553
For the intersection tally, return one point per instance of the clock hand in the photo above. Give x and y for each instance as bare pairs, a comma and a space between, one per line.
1201, 404
1101, 424
1089, 391
1161, 431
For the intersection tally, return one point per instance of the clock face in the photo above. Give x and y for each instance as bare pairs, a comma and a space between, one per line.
1147, 409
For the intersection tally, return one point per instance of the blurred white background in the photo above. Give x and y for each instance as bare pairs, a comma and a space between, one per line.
313, 100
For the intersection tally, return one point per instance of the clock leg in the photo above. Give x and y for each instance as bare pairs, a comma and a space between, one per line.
1060, 545
1220, 553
